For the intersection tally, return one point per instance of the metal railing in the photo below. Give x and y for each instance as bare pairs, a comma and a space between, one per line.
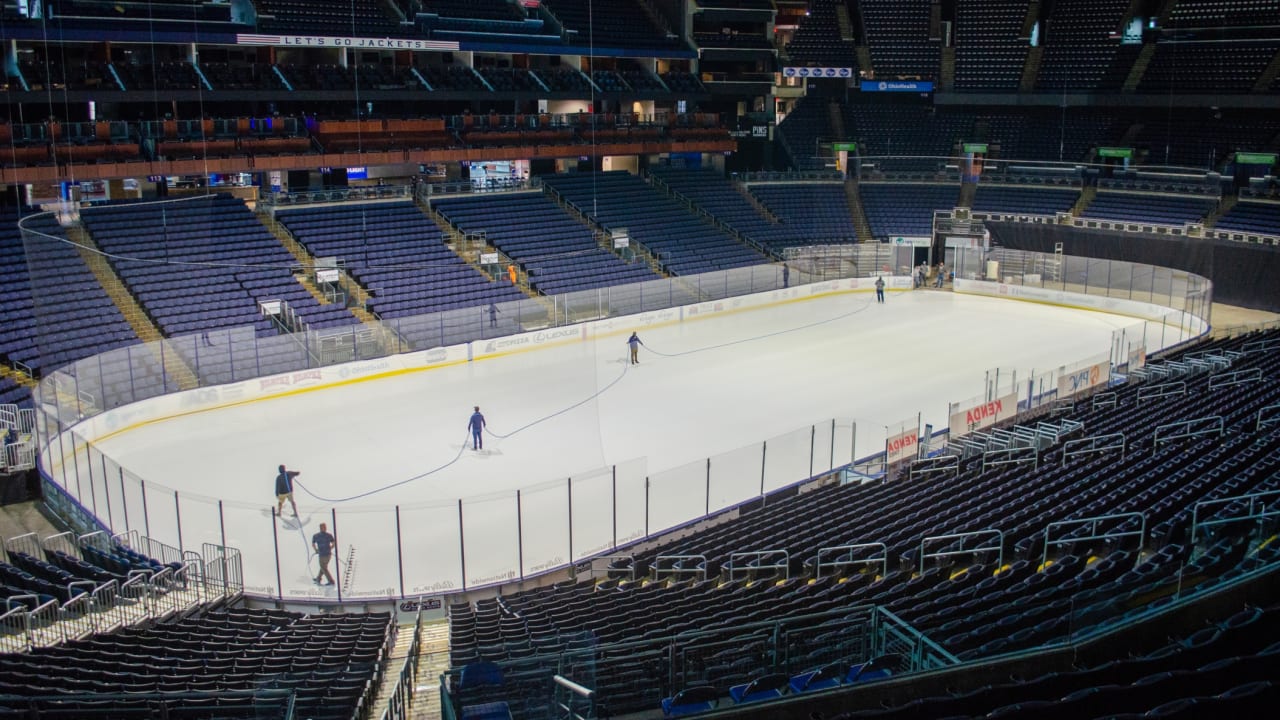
406, 687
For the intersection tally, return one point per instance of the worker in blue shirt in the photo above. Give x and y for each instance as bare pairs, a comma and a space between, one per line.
476, 426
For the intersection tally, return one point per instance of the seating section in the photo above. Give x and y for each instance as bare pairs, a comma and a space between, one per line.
814, 213
209, 666
66, 316
624, 25
1081, 40
1187, 14
904, 209
974, 607
926, 136
817, 38
558, 253
1219, 671
897, 33
801, 129
216, 264
710, 191
990, 46
398, 255
1142, 208
682, 242
1203, 141
1207, 67
1252, 217
356, 17
992, 197
62, 576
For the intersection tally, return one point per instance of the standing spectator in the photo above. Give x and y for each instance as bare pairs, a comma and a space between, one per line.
942, 275
284, 490
476, 426
786, 275
634, 342
511, 273
323, 542
493, 315
880, 289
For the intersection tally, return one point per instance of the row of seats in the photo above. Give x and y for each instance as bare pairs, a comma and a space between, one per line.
332, 663
397, 254
684, 243
558, 253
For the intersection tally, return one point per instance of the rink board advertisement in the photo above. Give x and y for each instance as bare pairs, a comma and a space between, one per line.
984, 414
283, 384
1119, 306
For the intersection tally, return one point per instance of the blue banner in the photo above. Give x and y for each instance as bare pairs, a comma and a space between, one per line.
915, 86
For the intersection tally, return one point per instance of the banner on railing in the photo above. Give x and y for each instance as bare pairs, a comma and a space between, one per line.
902, 441
984, 414
1076, 381
920, 86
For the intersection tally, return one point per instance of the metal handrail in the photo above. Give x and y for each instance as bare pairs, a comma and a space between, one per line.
1094, 533
883, 558
758, 566
679, 572
992, 533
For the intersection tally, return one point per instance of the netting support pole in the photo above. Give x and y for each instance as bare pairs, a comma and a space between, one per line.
764, 453
613, 471
462, 546
222, 527
177, 511
569, 489
146, 517
333, 518
399, 551
106, 490
519, 534
275, 542
124, 499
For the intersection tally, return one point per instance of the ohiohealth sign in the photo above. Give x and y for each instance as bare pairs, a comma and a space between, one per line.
918, 86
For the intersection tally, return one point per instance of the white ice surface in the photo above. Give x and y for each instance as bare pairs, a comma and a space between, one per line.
702, 388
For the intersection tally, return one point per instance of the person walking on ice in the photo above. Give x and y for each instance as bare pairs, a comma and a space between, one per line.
880, 289
322, 542
284, 490
634, 342
476, 426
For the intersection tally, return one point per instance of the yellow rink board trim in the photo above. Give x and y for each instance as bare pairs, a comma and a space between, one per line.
452, 363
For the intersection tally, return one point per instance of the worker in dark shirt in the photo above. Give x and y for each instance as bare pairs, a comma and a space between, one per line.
323, 543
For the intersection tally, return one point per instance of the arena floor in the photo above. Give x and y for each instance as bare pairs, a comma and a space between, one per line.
387, 459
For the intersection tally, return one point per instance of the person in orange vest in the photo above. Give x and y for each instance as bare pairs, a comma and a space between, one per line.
511, 273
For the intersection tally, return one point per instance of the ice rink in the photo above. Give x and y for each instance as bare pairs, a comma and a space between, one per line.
389, 458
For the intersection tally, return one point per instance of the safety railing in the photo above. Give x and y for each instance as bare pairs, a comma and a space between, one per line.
574, 701
1111, 528
1253, 507
841, 558
679, 567
1154, 392
976, 543
757, 564
1195, 427
13, 628
43, 626
934, 466
406, 686
1093, 445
